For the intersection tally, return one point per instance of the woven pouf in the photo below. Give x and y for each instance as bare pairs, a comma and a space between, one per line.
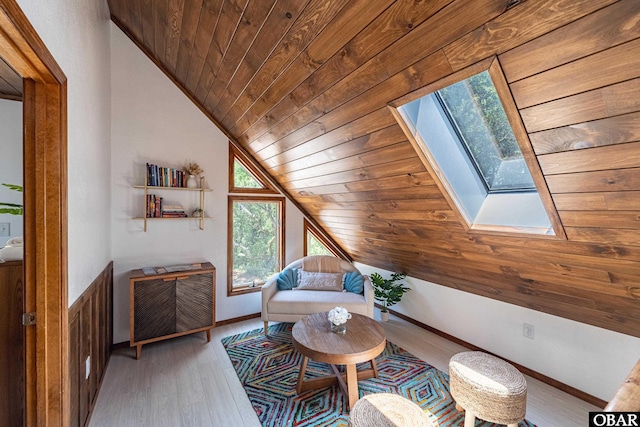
387, 410
488, 388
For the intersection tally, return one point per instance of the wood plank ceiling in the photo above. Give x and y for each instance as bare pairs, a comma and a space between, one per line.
303, 86
10, 82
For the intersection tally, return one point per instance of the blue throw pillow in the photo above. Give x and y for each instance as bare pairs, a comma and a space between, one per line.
354, 282
287, 279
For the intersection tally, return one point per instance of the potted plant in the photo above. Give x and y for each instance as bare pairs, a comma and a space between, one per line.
387, 292
12, 208
192, 169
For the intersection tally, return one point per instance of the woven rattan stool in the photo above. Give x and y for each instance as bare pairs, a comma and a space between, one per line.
387, 410
488, 388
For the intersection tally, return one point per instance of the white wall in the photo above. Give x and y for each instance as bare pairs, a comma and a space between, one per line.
154, 122
586, 357
10, 162
76, 32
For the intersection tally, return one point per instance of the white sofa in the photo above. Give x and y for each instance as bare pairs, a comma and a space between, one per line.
293, 305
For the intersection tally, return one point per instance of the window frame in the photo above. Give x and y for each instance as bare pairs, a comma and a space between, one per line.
231, 291
309, 228
491, 65
236, 155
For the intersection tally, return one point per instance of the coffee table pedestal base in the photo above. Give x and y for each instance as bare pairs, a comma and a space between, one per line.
347, 380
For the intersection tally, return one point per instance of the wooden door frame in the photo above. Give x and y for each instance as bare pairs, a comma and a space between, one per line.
45, 218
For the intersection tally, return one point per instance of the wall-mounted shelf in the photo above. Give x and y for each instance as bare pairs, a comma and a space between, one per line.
154, 188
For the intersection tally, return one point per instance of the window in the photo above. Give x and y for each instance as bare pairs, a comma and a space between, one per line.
480, 125
244, 176
256, 241
255, 248
243, 179
474, 149
315, 243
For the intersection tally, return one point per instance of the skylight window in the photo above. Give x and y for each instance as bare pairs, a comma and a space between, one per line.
465, 135
477, 116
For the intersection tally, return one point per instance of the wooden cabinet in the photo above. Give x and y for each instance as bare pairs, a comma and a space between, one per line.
170, 304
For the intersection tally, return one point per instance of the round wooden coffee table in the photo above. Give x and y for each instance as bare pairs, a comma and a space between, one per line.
363, 341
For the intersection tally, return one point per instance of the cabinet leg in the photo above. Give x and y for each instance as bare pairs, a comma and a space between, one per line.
208, 332
138, 352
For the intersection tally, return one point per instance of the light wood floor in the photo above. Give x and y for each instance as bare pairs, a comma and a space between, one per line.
187, 382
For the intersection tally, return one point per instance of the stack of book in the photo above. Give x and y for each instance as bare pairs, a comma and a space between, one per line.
165, 177
154, 206
173, 211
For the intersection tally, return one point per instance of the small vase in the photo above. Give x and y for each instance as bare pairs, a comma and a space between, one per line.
191, 182
384, 316
339, 329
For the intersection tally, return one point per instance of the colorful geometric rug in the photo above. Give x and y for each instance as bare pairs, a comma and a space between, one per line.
268, 369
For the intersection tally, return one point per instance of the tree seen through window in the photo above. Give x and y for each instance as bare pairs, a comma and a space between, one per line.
256, 242
242, 178
478, 117
316, 247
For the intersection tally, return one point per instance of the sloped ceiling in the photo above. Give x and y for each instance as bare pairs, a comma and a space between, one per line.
10, 82
304, 87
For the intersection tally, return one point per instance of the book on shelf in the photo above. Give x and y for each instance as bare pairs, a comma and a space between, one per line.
173, 211
174, 215
159, 176
153, 206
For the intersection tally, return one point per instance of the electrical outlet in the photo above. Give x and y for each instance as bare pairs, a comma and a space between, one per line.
528, 331
4, 229
87, 364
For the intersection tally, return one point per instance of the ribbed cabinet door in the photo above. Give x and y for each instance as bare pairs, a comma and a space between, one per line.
155, 308
194, 302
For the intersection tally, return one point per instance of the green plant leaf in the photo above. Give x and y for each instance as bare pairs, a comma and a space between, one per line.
14, 187
12, 211
386, 291
12, 208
